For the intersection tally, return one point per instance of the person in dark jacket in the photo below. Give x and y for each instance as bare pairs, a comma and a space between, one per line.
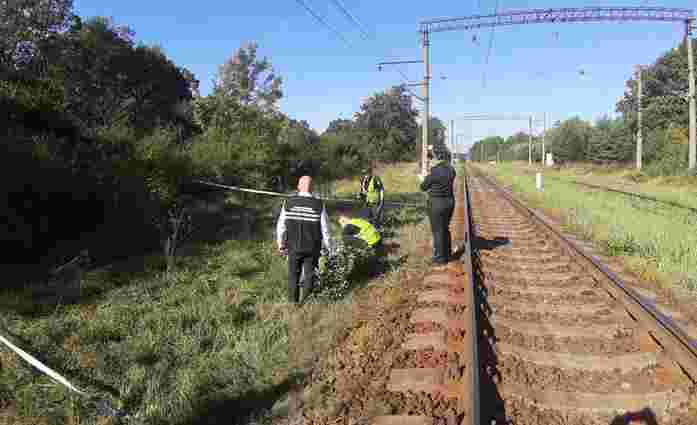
301, 232
439, 185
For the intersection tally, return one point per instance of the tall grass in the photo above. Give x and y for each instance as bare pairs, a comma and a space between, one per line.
662, 237
680, 189
212, 340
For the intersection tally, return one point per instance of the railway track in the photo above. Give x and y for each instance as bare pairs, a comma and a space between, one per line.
415, 363
565, 341
527, 329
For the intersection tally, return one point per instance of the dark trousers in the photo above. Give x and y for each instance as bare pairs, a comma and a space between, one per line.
301, 263
441, 212
375, 262
376, 213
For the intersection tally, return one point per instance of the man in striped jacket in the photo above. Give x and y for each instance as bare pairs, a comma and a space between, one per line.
301, 232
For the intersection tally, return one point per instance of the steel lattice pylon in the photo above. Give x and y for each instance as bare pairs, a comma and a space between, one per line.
538, 16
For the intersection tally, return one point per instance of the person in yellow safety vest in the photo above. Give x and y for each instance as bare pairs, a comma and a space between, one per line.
373, 193
361, 233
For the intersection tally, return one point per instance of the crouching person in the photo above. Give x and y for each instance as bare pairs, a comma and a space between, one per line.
360, 233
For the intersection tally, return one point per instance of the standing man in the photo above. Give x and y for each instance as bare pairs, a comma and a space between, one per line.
301, 231
439, 185
373, 194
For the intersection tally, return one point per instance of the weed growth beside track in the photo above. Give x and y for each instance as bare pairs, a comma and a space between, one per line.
659, 243
210, 341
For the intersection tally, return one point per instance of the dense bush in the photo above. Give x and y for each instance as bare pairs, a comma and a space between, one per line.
101, 137
338, 271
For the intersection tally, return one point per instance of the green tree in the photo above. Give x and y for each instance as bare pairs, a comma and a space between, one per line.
569, 141
298, 134
107, 80
340, 125
248, 80
610, 141
664, 91
389, 122
492, 146
24, 25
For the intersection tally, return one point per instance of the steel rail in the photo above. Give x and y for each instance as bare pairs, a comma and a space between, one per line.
634, 194
669, 335
471, 294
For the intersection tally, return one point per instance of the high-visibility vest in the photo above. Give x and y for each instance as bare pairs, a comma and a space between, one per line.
373, 196
368, 232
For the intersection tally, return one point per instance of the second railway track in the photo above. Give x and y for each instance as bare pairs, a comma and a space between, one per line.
562, 341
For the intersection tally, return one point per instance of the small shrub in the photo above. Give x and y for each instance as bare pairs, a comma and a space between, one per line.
336, 271
691, 282
622, 243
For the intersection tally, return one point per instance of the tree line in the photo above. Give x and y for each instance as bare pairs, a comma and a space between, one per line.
102, 135
613, 140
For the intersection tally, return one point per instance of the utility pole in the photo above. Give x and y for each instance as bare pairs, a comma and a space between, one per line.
544, 130
530, 143
692, 155
424, 151
639, 141
452, 142
425, 125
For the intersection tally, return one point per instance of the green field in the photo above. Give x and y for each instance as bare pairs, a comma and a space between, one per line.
210, 341
657, 241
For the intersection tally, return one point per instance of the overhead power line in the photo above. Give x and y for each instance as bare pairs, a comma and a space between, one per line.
322, 21
404, 76
351, 18
491, 44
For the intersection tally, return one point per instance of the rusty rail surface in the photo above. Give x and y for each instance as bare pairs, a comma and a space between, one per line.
446, 391
664, 330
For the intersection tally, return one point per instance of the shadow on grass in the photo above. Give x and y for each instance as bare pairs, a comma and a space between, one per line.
33, 297
239, 410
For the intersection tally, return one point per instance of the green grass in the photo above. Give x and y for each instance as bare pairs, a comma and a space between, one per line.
680, 189
213, 339
656, 239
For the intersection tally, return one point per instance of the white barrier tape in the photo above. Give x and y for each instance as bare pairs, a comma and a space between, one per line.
103, 406
37, 364
285, 195
241, 189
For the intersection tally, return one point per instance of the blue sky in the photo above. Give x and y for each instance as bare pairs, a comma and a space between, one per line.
530, 69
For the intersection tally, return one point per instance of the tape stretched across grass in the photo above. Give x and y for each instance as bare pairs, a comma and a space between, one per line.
285, 195
103, 406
